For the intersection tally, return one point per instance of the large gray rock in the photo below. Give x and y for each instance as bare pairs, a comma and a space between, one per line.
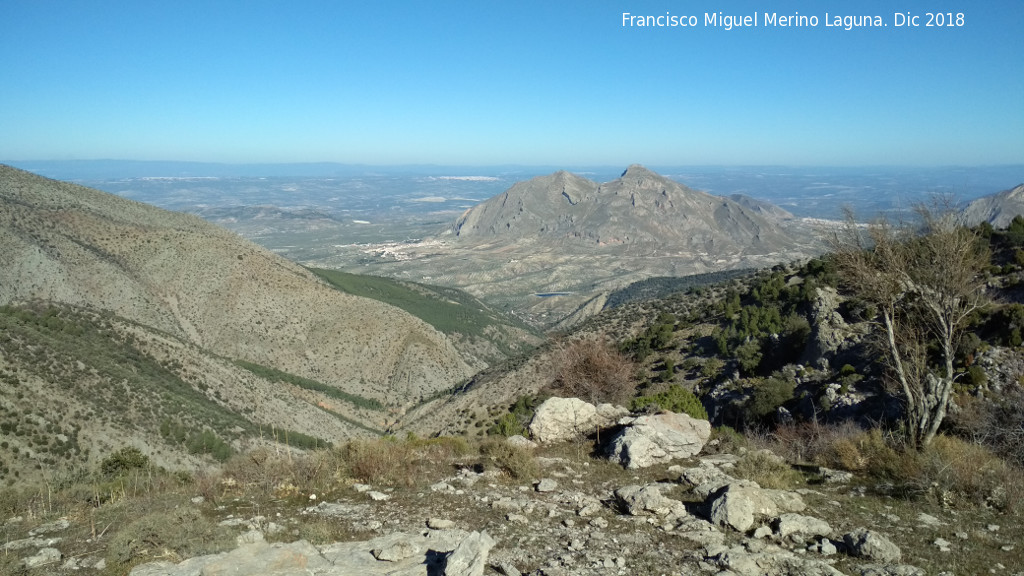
806, 526
872, 545
561, 419
740, 503
656, 438
470, 556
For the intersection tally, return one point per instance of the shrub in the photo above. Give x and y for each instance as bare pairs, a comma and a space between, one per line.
594, 371
125, 459
183, 531
676, 399
381, 461
515, 461
767, 469
768, 395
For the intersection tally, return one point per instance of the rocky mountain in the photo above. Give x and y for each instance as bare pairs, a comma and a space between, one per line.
638, 208
551, 249
996, 209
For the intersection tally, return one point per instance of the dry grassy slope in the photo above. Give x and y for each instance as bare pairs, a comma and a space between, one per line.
54, 384
181, 275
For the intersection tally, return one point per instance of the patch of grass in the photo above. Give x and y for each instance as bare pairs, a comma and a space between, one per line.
768, 470
517, 462
275, 375
447, 309
183, 531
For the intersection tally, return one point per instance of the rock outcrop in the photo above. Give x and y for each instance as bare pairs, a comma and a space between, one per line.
657, 438
434, 553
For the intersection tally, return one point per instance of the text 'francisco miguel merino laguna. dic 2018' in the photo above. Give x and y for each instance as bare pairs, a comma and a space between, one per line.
776, 20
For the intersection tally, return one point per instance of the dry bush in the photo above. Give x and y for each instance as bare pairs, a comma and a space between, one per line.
595, 371
384, 461
183, 531
767, 469
515, 461
997, 424
952, 469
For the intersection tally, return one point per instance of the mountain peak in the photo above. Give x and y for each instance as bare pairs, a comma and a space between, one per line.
638, 171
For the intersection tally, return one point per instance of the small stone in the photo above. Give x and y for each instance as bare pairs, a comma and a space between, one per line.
942, 544
929, 520
198, 500
599, 522
250, 537
362, 487
101, 565
1007, 547
547, 485
569, 522
762, 532
42, 558
508, 569
993, 527
827, 548
517, 518
589, 510
377, 496
576, 544
312, 496
442, 487
440, 524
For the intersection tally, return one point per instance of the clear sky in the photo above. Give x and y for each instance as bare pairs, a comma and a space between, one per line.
509, 82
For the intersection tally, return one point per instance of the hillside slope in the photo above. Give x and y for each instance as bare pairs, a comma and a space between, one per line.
996, 209
177, 274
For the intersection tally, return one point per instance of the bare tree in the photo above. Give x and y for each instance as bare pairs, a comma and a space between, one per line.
924, 281
595, 371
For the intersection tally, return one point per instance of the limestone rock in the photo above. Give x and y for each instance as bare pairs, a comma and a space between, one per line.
641, 500
470, 557
521, 442
739, 503
547, 485
789, 524
561, 419
651, 439
44, 557
871, 545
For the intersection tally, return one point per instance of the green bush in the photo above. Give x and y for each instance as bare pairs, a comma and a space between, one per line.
768, 395
125, 459
676, 399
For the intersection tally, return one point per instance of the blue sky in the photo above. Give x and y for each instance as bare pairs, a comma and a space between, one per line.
523, 82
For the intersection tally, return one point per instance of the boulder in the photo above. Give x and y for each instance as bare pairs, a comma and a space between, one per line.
656, 438
807, 526
872, 545
640, 500
739, 503
561, 419
470, 556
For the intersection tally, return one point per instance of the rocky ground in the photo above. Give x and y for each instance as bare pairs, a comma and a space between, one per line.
570, 511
